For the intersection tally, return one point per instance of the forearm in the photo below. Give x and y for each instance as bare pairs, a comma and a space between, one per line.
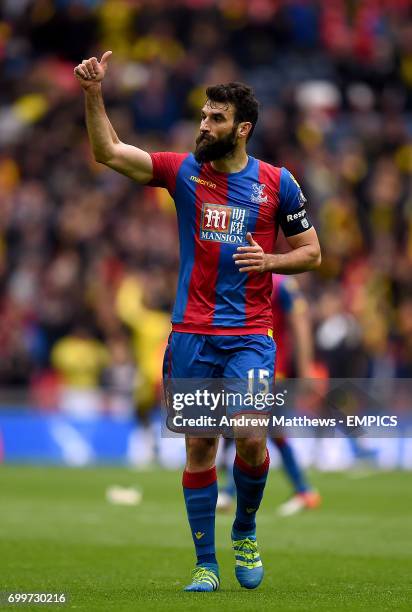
102, 136
298, 260
114, 136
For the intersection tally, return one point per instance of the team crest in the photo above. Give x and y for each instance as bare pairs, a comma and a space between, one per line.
258, 197
223, 223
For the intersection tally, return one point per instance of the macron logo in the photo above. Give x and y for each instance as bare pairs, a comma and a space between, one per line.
199, 535
209, 184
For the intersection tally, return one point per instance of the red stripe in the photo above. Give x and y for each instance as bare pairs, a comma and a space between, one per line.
201, 300
220, 331
259, 286
250, 470
198, 480
166, 167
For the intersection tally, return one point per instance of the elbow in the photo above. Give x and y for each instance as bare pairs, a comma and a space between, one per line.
316, 259
101, 158
104, 155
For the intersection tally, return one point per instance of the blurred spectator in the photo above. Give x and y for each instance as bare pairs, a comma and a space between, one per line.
80, 360
119, 378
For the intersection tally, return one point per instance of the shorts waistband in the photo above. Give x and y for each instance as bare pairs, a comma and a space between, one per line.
221, 331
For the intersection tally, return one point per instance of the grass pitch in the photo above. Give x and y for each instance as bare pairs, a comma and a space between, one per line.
58, 534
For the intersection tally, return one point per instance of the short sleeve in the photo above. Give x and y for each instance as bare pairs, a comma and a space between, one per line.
293, 217
165, 168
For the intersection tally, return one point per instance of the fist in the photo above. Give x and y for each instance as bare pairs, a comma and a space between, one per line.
91, 71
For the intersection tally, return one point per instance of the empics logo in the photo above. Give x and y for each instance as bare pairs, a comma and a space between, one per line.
223, 223
209, 184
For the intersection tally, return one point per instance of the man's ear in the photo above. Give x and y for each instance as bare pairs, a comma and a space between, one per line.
244, 129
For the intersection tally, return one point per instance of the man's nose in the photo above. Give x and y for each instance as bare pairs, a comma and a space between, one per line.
204, 127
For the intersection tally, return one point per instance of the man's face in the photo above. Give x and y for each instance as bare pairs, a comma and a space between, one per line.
218, 132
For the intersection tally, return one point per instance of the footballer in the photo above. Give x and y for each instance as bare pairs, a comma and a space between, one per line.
229, 207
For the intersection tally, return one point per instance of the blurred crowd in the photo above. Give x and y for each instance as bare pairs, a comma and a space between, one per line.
89, 259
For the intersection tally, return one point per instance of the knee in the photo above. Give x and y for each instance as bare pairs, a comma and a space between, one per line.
251, 450
200, 453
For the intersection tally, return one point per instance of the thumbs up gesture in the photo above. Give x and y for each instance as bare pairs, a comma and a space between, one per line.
250, 258
91, 71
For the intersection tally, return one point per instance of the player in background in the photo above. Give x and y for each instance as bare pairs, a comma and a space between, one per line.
229, 208
294, 356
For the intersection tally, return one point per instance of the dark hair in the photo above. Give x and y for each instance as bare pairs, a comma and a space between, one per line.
241, 96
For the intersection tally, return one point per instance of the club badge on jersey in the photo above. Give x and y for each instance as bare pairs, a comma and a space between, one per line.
258, 197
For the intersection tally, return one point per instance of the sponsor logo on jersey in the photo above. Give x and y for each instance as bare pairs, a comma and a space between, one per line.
258, 197
296, 216
305, 223
209, 184
223, 223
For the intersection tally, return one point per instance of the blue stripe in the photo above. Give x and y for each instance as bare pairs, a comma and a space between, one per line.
185, 200
288, 192
230, 309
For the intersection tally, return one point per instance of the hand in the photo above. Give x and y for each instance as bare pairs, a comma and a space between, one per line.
90, 71
250, 258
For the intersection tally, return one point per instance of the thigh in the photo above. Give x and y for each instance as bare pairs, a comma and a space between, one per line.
253, 357
189, 356
250, 369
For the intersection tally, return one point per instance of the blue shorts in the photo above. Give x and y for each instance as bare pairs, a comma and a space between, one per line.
208, 356
238, 365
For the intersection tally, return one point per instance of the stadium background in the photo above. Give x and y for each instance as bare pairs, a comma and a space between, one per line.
89, 259
88, 264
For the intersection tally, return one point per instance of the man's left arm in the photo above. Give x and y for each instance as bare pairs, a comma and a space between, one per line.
301, 236
305, 255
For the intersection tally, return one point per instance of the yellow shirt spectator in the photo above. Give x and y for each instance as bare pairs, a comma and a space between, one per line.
79, 360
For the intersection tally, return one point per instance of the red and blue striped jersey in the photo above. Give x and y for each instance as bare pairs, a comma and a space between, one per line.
215, 210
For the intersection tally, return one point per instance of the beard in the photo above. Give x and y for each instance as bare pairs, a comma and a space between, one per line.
209, 148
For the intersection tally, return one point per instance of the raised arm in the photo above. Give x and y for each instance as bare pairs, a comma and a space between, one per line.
107, 147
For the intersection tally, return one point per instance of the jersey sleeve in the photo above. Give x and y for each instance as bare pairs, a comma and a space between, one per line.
293, 217
165, 168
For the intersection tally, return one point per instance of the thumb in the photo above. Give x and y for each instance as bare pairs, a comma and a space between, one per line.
250, 239
105, 57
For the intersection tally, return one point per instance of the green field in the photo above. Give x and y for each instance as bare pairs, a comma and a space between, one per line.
58, 533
